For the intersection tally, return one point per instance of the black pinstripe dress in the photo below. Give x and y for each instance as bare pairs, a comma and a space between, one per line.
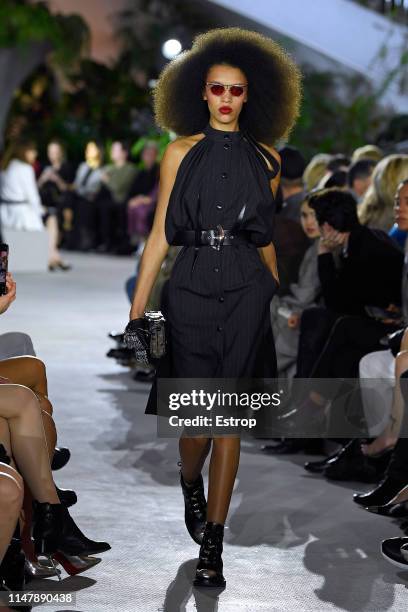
218, 301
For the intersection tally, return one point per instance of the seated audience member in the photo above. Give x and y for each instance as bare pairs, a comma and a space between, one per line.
55, 184
289, 239
358, 267
376, 209
31, 157
117, 179
88, 181
286, 311
24, 407
386, 502
143, 195
390, 497
315, 170
367, 152
21, 207
359, 177
398, 235
380, 365
292, 168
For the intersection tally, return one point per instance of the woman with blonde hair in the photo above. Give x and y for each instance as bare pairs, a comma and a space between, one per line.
315, 170
377, 207
368, 151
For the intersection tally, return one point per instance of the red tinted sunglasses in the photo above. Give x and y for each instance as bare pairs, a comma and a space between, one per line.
218, 89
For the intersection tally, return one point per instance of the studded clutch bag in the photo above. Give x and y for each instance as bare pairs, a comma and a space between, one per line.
147, 336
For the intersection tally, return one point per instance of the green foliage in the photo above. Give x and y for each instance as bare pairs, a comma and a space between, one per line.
162, 140
339, 113
22, 23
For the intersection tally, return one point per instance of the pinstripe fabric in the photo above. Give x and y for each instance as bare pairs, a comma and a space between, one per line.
218, 304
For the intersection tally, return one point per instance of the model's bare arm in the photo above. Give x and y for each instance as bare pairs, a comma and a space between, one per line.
156, 246
268, 253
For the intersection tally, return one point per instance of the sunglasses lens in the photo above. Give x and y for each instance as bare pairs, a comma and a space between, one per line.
217, 90
236, 90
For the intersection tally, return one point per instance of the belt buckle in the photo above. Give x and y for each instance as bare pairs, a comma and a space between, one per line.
217, 237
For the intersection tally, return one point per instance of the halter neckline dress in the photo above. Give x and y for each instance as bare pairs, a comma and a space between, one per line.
217, 302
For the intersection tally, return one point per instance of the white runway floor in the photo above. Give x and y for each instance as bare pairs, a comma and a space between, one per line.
293, 543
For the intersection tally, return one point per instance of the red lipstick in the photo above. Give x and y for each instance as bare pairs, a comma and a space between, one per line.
225, 110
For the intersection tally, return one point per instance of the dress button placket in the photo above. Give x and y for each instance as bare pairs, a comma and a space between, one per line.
223, 190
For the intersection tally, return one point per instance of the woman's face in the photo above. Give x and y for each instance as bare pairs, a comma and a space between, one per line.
401, 207
55, 153
92, 151
309, 222
149, 155
225, 108
31, 155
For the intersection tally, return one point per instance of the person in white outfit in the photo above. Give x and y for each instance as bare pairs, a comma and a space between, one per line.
21, 207
20, 203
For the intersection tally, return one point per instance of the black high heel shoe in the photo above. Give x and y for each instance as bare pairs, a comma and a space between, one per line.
387, 489
195, 507
57, 537
76, 542
396, 510
210, 565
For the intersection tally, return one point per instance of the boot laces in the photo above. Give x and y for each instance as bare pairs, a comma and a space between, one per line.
211, 549
197, 500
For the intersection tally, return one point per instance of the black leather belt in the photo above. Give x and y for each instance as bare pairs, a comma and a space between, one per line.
215, 238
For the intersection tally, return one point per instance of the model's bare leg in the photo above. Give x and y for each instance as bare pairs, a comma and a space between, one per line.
389, 437
27, 371
11, 493
51, 224
193, 453
21, 408
11, 499
223, 470
31, 372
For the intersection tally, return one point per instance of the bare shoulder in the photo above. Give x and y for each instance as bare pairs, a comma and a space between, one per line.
177, 150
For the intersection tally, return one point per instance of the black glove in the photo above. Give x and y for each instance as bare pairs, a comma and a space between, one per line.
136, 337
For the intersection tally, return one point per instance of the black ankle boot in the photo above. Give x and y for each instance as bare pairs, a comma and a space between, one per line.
56, 535
209, 568
195, 507
48, 520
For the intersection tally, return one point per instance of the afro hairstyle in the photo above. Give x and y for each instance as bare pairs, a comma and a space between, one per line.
274, 84
336, 207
